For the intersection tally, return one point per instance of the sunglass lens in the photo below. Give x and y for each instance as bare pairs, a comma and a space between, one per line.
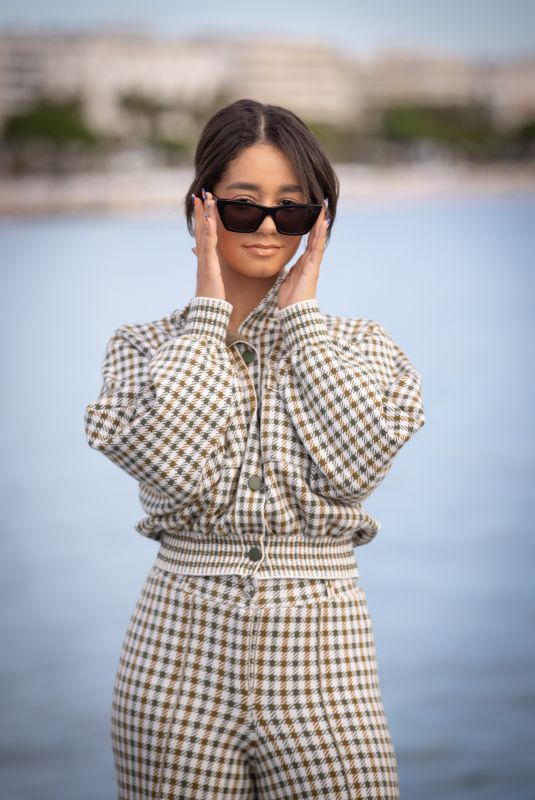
242, 218
295, 220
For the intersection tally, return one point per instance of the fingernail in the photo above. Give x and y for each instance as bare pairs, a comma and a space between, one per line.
203, 193
192, 199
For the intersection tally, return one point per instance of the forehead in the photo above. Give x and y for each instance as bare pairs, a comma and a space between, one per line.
261, 167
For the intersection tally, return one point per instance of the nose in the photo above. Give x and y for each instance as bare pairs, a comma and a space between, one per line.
268, 225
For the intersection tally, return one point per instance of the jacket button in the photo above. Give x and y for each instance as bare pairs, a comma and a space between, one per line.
255, 554
248, 356
254, 482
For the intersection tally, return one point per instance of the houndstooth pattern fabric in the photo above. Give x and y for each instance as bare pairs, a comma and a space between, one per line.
234, 687
254, 453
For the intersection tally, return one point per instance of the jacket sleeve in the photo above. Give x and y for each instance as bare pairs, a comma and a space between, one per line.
354, 402
161, 413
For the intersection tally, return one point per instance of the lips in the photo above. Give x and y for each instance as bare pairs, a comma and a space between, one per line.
262, 251
264, 246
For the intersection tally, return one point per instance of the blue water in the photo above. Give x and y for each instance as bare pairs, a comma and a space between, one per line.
449, 577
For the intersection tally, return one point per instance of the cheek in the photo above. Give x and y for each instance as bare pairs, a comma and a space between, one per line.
293, 247
227, 242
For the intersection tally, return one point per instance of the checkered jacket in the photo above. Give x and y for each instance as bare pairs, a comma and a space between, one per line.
254, 453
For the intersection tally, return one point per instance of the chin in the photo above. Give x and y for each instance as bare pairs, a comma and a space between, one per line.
254, 270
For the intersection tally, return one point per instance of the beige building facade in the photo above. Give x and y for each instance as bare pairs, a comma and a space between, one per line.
311, 77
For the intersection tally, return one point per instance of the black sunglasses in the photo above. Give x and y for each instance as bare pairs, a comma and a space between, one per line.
242, 216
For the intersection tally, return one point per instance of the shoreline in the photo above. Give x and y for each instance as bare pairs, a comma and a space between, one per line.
163, 189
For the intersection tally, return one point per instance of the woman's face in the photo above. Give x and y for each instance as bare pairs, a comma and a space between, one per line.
273, 181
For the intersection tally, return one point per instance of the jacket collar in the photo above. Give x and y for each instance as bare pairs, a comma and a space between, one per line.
254, 322
267, 306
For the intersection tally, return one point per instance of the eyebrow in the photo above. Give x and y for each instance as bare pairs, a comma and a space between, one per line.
285, 187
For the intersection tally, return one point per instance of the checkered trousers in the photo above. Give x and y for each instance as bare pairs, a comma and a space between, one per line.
236, 687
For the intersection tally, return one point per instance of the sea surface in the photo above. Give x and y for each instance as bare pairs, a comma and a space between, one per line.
450, 576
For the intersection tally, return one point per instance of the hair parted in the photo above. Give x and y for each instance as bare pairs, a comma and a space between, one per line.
246, 122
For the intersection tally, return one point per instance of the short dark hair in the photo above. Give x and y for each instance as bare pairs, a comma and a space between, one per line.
246, 122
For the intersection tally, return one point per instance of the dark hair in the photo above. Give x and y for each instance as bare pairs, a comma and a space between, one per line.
246, 122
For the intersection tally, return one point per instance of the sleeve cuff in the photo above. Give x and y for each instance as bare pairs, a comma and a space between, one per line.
208, 316
302, 322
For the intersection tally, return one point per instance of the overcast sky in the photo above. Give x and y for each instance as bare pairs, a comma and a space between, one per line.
473, 28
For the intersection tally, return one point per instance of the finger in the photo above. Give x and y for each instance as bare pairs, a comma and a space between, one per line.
209, 223
197, 205
316, 233
318, 241
325, 224
200, 214
207, 204
322, 230
201, 218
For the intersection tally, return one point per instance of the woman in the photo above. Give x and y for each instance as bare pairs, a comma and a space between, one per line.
255, 425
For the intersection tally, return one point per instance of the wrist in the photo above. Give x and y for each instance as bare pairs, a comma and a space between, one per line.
208, 316
299, 300
302, 321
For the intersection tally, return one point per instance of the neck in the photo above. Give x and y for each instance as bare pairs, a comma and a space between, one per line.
245, 293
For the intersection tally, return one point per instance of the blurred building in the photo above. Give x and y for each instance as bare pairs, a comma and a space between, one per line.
179, 77
100, 68
510, 89
310, 77
399, 75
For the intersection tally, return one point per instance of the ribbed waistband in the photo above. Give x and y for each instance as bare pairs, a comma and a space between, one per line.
284, 557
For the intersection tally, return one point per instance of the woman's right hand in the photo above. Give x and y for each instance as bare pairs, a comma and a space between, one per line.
209, 278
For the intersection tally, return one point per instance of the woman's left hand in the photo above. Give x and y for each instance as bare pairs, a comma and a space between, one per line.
302, 279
